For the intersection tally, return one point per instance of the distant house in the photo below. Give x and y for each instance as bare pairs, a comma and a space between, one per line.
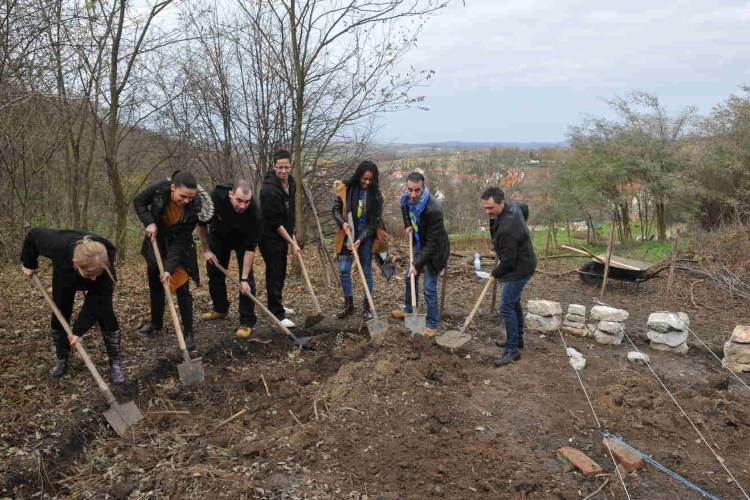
465, 177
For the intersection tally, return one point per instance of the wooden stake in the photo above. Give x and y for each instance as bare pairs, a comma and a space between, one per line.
265, 385
671, 265
317, 223
609, 257
224, 422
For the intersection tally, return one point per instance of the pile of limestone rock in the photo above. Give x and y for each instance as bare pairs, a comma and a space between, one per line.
609, 329
543, 316
668, 331
737, 350
575, 321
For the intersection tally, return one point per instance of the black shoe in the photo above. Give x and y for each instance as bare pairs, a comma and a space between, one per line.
507, 359
150, 329
112, 342
366, 311
189, 341
59, 369
500, 343
348, 309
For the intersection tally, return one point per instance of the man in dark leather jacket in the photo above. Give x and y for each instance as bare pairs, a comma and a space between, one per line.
512, 242
423, 222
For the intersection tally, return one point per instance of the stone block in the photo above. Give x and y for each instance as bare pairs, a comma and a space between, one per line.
579, 459
609, 313
672, 339
544, 308
679, 349
612, 327
576, 359
578, 332
627, 458
577, 309
575, 318
452, 339
573, 324
539, 323
737, 367
737, 353
638, 358
741, 334
665, 321
608, 338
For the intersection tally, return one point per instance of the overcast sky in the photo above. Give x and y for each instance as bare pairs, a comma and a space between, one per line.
523, 70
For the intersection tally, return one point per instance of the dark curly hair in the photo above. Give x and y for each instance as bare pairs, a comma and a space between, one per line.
365, 166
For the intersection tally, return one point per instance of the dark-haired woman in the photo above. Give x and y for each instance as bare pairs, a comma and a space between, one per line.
358, 206
80, 261
169, 209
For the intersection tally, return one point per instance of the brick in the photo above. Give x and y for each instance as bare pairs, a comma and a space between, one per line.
580, 460
627, 458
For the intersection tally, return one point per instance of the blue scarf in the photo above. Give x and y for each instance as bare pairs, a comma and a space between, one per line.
415, 211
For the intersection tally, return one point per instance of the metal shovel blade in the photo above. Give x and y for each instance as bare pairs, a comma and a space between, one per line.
122, 416
300, 341
377, 326
311, 321
416, 323
191, 371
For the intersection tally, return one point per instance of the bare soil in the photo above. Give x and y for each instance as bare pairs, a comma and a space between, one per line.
395, 418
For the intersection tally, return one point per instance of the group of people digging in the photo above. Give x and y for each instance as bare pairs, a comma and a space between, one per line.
228, 221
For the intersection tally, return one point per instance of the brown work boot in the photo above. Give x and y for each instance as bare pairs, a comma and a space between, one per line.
214, 315
348, 309
398, 314
430, 332
243, 332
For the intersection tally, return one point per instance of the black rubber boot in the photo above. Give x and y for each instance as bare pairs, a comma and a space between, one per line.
185, 303
501, 343
366, 311
348, 309
62, 351
157, 311
150, 329
112, 344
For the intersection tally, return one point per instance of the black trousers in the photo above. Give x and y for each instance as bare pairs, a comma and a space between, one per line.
275, 253
184, 302
217, 282
97, 307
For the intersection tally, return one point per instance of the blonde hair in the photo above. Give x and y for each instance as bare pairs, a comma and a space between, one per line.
90, 258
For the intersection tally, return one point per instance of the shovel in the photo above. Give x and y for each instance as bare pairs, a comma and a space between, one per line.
191, 370
414, 322
473, 311
297, 340
376, 325
119, 416
310, 321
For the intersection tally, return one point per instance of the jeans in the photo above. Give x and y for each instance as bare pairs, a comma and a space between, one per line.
217, 286
512, 313
430, 295
365, 258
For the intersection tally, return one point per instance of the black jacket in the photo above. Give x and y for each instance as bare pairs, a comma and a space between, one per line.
373, 211
58, 246
512, 242
277, 207
175, 242
239, 230
436, 246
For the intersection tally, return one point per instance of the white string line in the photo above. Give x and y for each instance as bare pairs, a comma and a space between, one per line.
598, 423
715, 356
721, 460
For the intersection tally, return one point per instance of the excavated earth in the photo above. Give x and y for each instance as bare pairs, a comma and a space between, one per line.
391, 418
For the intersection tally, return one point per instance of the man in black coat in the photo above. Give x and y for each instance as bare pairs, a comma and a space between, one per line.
80, 261
169, 210
423, 222
234, 228
278, 218
514, 247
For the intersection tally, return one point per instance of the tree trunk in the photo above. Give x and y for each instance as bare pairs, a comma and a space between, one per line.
661, 220
627, 233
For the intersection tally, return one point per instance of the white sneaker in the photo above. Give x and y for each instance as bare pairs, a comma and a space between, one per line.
288, 310
288, 323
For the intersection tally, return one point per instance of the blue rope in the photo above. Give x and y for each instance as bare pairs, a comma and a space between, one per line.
660, 466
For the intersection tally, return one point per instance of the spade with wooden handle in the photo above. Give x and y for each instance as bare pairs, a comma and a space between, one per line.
119, 416
191, 370
376, 325
414, 322
473, 311
310, 321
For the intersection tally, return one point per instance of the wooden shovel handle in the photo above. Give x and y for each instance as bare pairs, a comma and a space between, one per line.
476, 306
307, 281
411, 276
81, 351
362, 277
257, 302
170, 300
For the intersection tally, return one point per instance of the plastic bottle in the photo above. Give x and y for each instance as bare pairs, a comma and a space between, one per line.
477, 261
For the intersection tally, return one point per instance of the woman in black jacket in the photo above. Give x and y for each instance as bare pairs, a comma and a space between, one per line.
358, 206
80, 261
169, 210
